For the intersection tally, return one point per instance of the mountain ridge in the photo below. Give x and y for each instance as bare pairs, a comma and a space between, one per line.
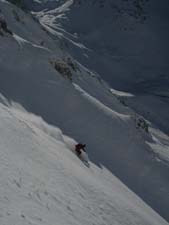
41, 69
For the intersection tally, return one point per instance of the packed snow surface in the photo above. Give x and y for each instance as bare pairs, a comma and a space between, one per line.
43, 182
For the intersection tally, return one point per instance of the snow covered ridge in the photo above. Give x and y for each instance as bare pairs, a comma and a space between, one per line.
129, 55
43, 182
33, 62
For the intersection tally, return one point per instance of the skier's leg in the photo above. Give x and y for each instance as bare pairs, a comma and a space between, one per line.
78, 151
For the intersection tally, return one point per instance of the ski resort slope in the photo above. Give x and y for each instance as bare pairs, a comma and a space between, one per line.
44, 182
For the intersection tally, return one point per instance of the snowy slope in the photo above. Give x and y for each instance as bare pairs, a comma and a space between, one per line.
43, 182
83, 106
117, 38
126, 42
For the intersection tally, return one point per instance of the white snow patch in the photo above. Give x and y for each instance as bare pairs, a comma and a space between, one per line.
160, 145
121, 93
21, 42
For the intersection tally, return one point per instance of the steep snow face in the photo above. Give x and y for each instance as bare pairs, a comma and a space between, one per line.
37, 71
126, 42
127, 34
43, 182
113, 30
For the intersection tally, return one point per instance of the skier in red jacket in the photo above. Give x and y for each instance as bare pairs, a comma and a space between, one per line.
79, 148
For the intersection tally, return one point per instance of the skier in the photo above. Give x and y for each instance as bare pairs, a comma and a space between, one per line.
3, 25
79, 148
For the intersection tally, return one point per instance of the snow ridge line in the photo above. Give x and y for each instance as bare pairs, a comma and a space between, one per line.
100, 105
